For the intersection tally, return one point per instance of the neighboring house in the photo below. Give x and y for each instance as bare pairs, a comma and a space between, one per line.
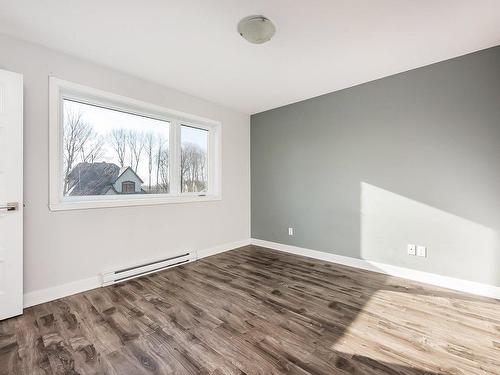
103, 179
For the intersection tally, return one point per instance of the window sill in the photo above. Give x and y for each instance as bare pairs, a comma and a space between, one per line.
66, 205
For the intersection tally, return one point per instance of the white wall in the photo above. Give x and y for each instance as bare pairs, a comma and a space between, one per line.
63, 247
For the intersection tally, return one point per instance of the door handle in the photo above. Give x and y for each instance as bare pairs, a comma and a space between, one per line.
11, 206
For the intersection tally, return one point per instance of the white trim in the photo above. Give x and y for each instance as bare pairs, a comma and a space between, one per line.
222, 248
45, 295
49, 294
60, 89
387, 269
136, 201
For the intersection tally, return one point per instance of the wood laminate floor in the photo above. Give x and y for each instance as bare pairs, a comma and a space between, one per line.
257, 311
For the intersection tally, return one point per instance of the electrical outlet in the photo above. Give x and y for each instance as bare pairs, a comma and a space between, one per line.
412, 249
421, 251
290, 231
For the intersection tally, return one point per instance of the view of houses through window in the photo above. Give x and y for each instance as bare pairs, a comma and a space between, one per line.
109, 152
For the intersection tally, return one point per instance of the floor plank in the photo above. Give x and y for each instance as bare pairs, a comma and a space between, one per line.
257, 311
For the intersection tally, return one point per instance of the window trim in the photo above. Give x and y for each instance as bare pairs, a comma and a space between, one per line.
60, 89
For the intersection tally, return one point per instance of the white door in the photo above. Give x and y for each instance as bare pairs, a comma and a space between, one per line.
11, 194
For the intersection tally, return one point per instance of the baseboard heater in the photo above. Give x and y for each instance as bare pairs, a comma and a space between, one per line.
127, 273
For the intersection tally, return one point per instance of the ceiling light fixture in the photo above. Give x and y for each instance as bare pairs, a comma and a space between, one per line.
256, 29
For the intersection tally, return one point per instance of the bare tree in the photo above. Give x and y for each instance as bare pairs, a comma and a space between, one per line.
161, 162
186, 157
149, 145
158, 163
193, 168
76, 135
93, 149
136, 143
118, 140
164, 171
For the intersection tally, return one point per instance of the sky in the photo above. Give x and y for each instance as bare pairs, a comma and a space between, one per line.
105, 120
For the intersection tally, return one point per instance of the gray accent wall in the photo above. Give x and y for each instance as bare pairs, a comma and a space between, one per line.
412, 158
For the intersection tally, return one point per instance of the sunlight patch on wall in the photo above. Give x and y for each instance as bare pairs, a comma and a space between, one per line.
456, 246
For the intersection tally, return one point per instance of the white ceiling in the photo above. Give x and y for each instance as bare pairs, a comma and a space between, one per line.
320, 45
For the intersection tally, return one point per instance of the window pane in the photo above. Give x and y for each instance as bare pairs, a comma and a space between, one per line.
194, 159
108, 152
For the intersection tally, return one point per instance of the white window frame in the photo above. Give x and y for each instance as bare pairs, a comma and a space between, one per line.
60, 89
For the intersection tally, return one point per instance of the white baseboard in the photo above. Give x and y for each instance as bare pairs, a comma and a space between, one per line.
407, 273
49, 294
222, 248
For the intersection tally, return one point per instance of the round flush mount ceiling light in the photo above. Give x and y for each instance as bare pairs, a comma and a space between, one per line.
256, 29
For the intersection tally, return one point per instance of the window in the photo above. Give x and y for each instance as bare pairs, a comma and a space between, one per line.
102, 147
107, 150
194, 159
128, 187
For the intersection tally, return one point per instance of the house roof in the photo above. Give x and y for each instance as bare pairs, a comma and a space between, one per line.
124, 169
94, 178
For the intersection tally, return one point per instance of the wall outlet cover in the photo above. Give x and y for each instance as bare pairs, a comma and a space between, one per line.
421, 251
412, 249
290, 231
